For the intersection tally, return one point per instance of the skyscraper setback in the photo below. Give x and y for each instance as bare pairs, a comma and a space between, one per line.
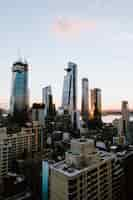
19, 103
69, 101
85, 100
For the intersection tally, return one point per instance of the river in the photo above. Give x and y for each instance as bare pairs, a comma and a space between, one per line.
110, 118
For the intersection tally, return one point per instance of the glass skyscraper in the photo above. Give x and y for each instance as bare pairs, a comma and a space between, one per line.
69, 99
47, 91
46, 95
19, 102
96, 104
47, 99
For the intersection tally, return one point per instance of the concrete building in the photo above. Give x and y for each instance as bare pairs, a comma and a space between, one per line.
123, 124
117, 123
85, 100
13, 146
38, 113
86, 173
125, 119
4, 153
124, 155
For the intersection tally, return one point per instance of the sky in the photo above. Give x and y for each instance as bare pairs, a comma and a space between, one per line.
95, 34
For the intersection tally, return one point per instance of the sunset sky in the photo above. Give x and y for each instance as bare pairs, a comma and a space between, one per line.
95, 34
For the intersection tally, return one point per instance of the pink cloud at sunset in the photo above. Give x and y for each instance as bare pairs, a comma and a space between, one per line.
72, 27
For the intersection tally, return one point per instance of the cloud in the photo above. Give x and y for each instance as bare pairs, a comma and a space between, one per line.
72, 27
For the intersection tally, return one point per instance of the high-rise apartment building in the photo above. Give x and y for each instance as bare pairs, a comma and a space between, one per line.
19, 103
85, 100
4, 153
96, 104
13, 145
69, 100
86, 174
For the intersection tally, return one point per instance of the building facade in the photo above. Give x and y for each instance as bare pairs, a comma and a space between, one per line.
125, 119
47, 99
85, 100
86, 174
69, 99
96, 104
19, 102
38, 113
4, 153
14, 146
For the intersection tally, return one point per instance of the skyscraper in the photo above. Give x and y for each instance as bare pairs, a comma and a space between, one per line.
47, 100
47, 91
125, 118
69, 101
38, 113
85, 100
19, 102
96, 104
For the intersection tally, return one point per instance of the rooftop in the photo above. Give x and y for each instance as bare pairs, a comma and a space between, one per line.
71, 171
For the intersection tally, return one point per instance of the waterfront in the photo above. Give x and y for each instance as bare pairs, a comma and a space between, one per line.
110, 118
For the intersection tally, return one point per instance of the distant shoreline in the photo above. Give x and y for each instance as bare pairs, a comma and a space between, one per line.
105, 113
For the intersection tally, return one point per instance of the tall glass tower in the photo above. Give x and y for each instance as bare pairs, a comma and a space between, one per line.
47, 99
85, 100
46, 95
19, 102
96, 104
69, 100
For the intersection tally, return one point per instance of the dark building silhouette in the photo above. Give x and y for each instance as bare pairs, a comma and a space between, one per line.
96, 107
85, 100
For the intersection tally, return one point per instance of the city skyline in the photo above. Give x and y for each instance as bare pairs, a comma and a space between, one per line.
96, 35
5, 102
